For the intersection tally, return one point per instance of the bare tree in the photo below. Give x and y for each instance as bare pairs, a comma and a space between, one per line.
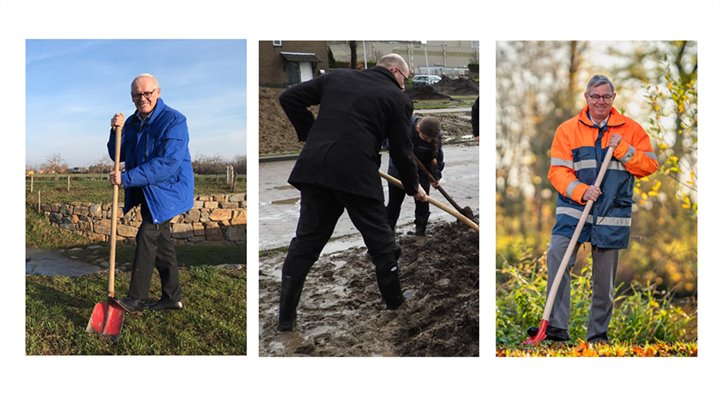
54, 164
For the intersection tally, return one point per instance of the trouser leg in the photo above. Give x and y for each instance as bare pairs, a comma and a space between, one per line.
368, 217
166, 263
319, 212
422, 208
604, 270
560, 315
144, 261
396, 196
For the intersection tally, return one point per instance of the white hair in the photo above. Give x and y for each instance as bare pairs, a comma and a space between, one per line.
138, 77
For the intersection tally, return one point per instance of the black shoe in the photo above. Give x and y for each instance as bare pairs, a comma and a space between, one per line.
389, 285
131, 304
601, 338
161, 305
557, 334
290, 291
420, 229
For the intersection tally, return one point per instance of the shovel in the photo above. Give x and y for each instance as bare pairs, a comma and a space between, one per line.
107, 316
467, 211
435, 202
541, 332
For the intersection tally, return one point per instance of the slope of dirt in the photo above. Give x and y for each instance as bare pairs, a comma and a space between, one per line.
341, 312
457, 87
277, 135
426, 93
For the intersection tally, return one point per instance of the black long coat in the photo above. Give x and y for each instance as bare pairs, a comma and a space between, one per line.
358, 110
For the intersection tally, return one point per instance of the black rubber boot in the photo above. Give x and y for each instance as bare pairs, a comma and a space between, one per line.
420, 228
290, 291
389, 283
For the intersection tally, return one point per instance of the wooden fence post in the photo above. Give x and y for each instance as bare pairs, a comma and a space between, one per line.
38, 201
31, 182
68, 184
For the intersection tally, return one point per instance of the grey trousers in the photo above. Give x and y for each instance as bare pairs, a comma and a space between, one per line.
604, 269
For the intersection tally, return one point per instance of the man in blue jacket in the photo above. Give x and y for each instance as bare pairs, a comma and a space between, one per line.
158, 177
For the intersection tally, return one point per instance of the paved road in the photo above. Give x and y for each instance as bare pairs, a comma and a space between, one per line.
279, 201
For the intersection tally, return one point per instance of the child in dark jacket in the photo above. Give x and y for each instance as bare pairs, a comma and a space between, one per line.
428, 149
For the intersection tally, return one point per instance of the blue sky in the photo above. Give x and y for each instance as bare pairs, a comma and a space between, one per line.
73, 88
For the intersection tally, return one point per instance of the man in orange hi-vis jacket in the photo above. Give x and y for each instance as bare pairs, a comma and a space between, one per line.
578, 149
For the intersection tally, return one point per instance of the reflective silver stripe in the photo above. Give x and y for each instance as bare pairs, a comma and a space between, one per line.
585, 164
615, 165
614, 221
628, 155
561, 162
651, 155
571, 188
572, 212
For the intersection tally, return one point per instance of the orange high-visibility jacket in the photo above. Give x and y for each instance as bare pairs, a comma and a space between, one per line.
578, 150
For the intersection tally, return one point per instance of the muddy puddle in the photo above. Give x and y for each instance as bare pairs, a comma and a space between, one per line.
341, 312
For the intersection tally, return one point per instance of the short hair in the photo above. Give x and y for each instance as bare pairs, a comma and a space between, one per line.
138, 77
599, 80
393, 60
430, 126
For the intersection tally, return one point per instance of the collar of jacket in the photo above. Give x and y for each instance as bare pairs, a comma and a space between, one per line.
386, 72
614, 120
159, 107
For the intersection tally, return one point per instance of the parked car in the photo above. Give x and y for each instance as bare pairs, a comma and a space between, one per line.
424, 80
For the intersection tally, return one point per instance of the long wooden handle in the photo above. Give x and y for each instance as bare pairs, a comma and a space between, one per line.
439, 187
113, 219
574, 239
435, 202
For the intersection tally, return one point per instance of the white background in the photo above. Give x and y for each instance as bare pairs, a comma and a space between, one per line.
254, 380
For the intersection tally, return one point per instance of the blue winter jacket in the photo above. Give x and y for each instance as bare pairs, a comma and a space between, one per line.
157, 163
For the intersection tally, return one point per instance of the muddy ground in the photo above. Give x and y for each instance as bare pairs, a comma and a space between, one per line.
277, 135
341, 312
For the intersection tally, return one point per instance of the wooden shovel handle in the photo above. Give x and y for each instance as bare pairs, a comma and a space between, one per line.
574, 239
113, 217
440, 188
434, 202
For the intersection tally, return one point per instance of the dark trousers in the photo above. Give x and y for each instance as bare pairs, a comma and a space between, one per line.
320, 208
155, 249
396, 196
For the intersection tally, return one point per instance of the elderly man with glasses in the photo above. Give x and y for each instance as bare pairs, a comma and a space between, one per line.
158, 177
578, 149
338, 169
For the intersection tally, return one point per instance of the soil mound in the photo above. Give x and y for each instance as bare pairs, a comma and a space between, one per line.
457, 87
276, 135
341, 312
426, 93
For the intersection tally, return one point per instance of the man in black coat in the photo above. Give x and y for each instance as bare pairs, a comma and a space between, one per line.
338, 169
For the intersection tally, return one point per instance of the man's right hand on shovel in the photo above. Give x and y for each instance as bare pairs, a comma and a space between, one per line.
118, 120
421, 195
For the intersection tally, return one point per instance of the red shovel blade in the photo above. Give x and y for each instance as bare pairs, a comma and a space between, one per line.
540, 336
114, 320
97, 319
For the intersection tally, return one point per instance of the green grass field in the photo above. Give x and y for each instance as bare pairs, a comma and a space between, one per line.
58, 308
456, 102
212, 323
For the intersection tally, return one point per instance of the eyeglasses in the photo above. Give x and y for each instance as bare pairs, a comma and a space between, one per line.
147, 94
401, 74
606, 97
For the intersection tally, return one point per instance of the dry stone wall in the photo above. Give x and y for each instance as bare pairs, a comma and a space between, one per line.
215, 218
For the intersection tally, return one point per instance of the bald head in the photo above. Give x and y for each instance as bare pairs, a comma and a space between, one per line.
394, 60
144, 77
397, 66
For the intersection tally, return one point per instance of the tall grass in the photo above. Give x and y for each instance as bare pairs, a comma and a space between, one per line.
642, 314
